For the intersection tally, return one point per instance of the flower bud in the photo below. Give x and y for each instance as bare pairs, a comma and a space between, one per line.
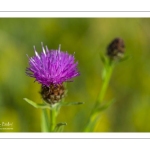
116, 48
52, 94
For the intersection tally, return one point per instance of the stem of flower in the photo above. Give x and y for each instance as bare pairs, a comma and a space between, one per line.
105, 82
52, 119
44, 121
95, 115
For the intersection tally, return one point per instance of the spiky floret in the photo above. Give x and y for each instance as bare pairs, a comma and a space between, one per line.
51, 68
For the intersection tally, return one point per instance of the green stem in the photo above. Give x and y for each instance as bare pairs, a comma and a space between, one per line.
52, 119
109, 70
44, 121
94, 116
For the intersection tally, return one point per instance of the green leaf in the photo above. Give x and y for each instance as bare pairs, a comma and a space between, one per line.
96, 115
103, 58
36, 105
71, 103
60, 126
104, 107
93, 120
125, 58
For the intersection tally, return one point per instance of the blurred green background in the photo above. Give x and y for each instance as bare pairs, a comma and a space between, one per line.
87, 37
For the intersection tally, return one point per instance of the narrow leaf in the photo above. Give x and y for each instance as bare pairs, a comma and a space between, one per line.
36, 105
125, 58
103, 59
71, 103
104, 107
60, 126
93, 120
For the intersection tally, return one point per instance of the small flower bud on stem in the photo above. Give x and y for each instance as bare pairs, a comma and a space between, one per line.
116, 48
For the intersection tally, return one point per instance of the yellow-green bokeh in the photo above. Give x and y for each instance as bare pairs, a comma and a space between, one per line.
87, 37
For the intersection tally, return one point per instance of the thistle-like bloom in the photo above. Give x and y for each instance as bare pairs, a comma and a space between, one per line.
51, 68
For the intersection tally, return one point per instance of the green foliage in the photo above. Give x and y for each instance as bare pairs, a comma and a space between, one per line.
41, 106
87, 37
44, 121
59, 127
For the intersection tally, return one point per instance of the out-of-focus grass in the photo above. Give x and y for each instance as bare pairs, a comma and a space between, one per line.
129, 85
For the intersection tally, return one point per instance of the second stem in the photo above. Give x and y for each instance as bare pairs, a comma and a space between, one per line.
93, 117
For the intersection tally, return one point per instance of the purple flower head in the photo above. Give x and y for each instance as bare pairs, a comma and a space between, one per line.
52, 67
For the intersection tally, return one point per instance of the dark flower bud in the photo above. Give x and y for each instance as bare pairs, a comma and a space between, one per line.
116, 48
53, 94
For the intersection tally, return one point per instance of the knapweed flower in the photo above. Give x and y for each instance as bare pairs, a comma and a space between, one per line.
51, 68
116, 48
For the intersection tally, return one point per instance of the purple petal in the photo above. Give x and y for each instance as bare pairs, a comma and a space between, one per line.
52, 67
